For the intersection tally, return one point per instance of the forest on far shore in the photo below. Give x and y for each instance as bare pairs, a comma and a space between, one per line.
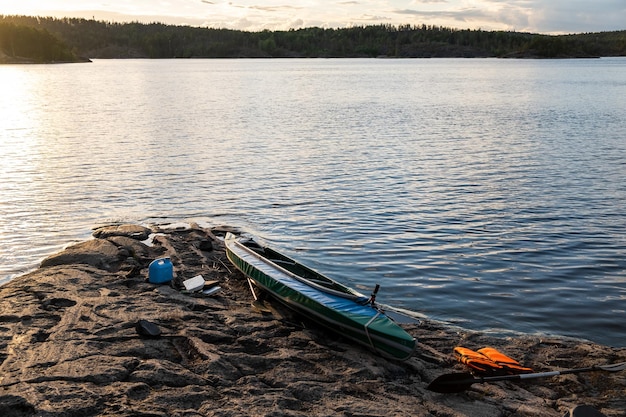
37, 39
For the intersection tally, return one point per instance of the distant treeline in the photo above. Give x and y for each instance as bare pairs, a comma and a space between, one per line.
97, 39
22, 43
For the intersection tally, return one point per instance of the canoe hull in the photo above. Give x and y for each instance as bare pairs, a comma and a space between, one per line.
348, 314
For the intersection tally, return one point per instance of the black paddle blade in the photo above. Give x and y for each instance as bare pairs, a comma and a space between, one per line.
451, 383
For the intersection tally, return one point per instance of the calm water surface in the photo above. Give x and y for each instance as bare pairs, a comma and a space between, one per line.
487, 193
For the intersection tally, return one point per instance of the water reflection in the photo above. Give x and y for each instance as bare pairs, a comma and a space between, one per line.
373, 171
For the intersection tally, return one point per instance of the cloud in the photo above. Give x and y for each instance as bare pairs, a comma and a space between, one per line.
489, 15
273, 8
559, 16
239, 24
540, 16
297, 24
461, 15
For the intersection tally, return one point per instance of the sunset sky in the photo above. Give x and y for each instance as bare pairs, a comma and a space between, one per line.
538, 16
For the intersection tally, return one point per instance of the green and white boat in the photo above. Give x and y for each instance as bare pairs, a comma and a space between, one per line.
331, 304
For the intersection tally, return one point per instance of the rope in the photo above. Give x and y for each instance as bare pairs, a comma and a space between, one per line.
367, 333
252, 289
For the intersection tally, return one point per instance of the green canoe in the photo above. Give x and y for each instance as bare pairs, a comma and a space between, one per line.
331, 304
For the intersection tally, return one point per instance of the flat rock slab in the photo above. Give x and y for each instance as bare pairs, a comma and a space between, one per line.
128, 230
69, 346
100, 253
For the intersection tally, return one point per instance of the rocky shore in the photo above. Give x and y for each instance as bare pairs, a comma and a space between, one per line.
70, 346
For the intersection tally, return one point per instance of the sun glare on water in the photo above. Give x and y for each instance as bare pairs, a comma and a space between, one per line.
18, 126
15, 94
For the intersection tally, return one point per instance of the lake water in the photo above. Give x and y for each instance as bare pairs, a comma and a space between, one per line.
487, 193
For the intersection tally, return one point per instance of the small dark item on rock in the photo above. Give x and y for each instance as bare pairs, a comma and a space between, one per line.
210, 284
147, 329
133, 272
261, 306
584, 411
205, 245
211, 291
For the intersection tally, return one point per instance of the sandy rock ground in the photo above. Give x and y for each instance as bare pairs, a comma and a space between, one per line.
69, 346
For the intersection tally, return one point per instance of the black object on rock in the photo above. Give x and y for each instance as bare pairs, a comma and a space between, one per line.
146, 328
584, 411
205, 245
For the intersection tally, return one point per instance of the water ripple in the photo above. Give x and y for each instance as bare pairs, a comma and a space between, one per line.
474, 191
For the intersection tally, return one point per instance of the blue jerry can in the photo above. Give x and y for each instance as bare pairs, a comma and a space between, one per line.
160, 271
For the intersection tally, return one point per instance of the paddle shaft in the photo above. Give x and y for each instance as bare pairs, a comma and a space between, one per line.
536, 374
452, 383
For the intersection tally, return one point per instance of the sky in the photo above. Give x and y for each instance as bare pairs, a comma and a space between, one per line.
536, 16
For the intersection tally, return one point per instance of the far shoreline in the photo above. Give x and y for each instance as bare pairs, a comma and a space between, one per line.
25, 61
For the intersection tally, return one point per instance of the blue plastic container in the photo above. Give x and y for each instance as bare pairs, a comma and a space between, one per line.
160, 271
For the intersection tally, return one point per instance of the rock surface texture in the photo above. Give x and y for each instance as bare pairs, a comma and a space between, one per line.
70, 346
